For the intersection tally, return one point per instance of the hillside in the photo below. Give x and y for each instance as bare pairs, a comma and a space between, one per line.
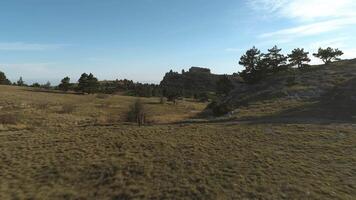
193, 82
321, 92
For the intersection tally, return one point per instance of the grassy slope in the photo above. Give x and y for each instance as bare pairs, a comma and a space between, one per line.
321, 93
83, 155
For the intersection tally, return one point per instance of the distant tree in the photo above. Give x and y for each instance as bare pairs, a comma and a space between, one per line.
47, 85
65, 84
254, 67
328, 55
250, 59
93, 84
20, 82
83, 82
298, 57
3, 79
36, 85
88, 83
224, 86
274, 60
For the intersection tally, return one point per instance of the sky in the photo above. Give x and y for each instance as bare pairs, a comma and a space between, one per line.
46, 40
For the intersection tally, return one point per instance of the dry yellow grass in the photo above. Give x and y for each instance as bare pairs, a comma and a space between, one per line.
84, 155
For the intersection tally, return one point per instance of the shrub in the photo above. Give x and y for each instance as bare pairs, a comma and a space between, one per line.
137, 113
9, 118
67, 108
43, 105
219, 109
163, 100
102, 96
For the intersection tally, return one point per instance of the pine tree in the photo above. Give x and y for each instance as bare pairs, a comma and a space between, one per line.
298, 57
274, 60
3, 79
65, 84
20, 82
328, 55
254, 68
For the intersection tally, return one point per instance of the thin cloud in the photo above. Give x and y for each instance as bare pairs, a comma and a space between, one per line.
305, 10
234, 49
314, 17
313, 28
21, 46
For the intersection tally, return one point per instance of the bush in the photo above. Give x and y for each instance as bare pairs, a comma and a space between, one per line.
137, 113
67, 108
9, 118
219, 109
102, 96
163, 100
42, 105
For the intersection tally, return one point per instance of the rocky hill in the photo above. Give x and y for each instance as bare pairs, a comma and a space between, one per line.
196, 80
323, 91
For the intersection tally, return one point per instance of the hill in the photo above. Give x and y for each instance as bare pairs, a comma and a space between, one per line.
191, 83
320, 92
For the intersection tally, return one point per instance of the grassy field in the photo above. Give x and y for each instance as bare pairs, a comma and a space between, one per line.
66, 146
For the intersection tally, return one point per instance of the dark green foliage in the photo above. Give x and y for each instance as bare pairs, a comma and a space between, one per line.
254, 68
65, 84
298, 57
3, 79
258, 66
202, 97
88, 83
36, 85
20, 82
188, 84
250, 60
146, 90
129, 88
224, 85
328, 55
219, 109
274, 60
46, 85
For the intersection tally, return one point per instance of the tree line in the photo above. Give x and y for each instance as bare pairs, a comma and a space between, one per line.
258, 65
197, 83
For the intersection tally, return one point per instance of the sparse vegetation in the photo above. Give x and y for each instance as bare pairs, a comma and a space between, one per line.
270, 139
67, 108
9, 118
137, 113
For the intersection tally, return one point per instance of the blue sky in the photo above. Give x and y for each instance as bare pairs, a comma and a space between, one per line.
142, 39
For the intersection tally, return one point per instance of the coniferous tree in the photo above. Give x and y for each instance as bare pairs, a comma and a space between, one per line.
92, 84
82, 82
47, 85
298, 57
3, 79
250, 59
65, 84
254, 68
20, 82
328, 55
274, 60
